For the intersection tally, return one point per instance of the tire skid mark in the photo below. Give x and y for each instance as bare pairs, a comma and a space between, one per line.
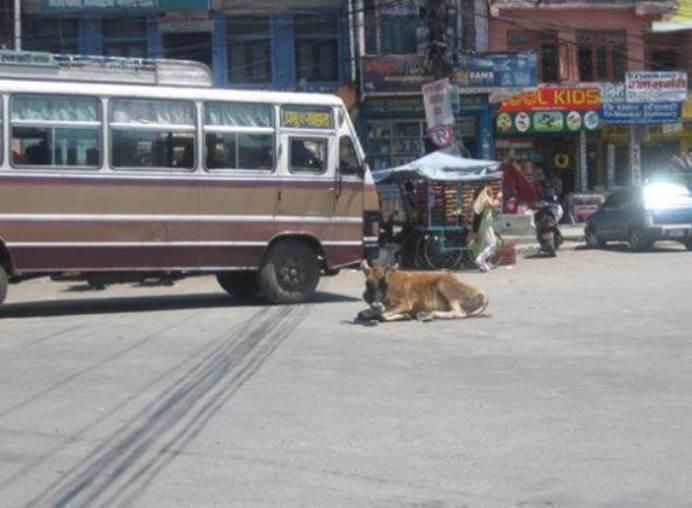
75, 436
124, 465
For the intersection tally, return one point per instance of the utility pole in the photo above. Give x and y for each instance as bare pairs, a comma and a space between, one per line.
17, 25
436, 19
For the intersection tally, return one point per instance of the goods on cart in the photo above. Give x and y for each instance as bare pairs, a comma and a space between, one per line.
435, 206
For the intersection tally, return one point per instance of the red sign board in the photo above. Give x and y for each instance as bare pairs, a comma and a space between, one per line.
555, 98
441, 135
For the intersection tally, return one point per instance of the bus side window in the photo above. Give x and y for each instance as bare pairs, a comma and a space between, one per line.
348, 158
239, 136
152, 134
55, 131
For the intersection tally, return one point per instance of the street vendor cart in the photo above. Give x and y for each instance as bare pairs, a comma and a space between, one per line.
427, 208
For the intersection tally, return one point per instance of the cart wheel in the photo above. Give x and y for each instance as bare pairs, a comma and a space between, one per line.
439, 256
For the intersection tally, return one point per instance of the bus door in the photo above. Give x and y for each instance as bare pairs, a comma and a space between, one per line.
309, 189
349, 179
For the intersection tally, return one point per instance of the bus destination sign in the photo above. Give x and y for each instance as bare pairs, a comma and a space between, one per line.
306, 118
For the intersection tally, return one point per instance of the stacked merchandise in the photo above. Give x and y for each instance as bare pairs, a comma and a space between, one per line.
448, 203
451, 203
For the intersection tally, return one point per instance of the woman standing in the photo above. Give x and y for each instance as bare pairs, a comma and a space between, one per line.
483, 225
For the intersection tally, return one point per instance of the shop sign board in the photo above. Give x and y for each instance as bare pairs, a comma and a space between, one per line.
546, 122
95, 5
612, 92
181, 22
555, 98
638, 113
391, 74
497, 70
438, 105
408, 105
655, 86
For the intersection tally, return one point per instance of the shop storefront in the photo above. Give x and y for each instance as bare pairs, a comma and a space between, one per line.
551, 133
395, 130
392, 116
642, 127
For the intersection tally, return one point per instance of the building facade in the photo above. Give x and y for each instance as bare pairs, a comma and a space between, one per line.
578, 44
393, 47
288, 45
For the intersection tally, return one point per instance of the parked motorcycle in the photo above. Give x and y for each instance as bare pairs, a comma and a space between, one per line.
546, 219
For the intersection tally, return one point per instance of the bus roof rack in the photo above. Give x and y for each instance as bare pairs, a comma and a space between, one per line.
103, 69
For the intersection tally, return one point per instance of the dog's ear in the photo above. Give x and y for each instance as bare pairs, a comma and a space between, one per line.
365, 266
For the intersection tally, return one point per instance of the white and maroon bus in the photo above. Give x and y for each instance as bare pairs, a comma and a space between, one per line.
118, 169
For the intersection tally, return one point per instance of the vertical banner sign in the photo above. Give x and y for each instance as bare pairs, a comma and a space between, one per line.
438, 106
439, 114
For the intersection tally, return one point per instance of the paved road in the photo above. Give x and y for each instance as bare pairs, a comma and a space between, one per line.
576, 392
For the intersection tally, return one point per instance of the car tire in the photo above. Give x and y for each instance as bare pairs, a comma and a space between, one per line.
4, 282
638, 241
688, 244
592, 239
289, 273
241, 284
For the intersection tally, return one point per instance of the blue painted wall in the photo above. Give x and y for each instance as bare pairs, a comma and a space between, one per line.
281, 34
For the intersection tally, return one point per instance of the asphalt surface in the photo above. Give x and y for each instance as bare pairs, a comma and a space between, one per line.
576, 391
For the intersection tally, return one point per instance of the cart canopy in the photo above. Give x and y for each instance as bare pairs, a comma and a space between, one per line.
443, 166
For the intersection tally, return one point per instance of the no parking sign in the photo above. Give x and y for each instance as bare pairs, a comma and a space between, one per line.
441, 135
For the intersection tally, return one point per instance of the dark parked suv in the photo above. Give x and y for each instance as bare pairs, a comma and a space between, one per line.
642, 215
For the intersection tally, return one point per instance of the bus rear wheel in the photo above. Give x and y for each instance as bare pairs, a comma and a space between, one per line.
3, 284
240, 284
289, 273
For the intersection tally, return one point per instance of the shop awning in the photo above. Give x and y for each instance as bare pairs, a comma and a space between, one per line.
442, 166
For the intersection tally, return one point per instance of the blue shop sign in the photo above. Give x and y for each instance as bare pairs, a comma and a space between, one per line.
400, 74
641, 113
497, 70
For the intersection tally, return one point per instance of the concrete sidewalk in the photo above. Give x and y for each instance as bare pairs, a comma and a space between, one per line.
520, 230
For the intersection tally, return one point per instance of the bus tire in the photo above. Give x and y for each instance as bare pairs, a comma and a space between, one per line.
239, 284
3, 284
289, 273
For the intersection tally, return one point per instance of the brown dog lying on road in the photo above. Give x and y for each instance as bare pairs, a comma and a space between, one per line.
394, 294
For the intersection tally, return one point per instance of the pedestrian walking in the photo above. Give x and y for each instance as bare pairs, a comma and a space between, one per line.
484, 206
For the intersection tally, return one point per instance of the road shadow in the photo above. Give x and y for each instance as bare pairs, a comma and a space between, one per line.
114, 305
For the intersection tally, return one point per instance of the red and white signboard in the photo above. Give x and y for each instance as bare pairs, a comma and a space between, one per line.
442, 135
438, 106
656, 86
